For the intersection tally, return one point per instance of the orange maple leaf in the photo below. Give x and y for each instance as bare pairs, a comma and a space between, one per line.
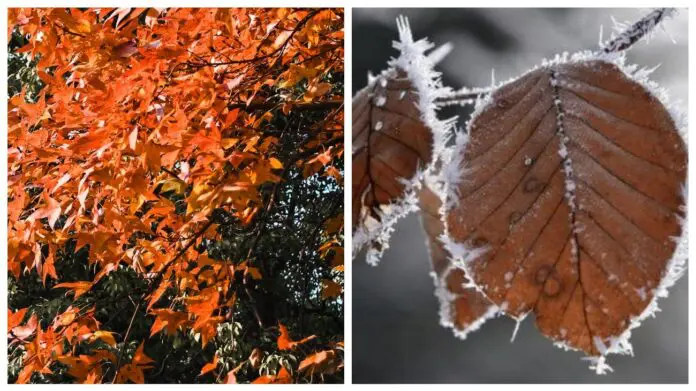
79, 287
285, 343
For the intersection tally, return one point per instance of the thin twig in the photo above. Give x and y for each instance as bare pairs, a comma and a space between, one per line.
299, 26
638, 30
624, 41
125, 341
182, 252
300, 106
464, 96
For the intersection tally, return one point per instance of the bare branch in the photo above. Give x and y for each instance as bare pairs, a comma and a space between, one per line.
125, 342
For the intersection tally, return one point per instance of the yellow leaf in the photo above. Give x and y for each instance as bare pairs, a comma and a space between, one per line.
176, 185
229, 142
106, 336
275, 163
84, 26
199, 195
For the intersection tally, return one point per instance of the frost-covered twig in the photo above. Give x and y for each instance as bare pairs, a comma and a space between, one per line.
638, 30
465, 96
623, 41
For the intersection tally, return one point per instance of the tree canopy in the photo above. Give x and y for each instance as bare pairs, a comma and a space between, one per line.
175, 194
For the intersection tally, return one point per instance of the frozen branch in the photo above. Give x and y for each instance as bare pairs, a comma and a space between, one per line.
463, 97
623, 41
638, 30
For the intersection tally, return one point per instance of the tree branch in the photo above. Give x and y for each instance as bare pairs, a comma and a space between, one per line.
125, 341
304, 106
299, 25
463, 97
625, 40
638, 30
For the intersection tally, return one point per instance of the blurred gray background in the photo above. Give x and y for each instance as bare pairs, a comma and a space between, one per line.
396, 333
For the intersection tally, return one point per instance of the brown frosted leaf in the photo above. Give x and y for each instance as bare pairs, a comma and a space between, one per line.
390, 143
572, 197
396, 138
462, 308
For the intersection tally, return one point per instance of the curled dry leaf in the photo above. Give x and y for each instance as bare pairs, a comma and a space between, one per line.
572, 200
396, 138
462, 308
390, 144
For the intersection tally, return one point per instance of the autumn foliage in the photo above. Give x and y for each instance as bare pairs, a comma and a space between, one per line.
175, 196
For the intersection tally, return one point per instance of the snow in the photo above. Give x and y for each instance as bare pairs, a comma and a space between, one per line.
440, 53
378, 234
465, 96
642, 293
452, 172
599, 364
599, 345
518, 322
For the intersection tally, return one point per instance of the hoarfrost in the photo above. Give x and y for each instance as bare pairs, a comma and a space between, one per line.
625, 34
